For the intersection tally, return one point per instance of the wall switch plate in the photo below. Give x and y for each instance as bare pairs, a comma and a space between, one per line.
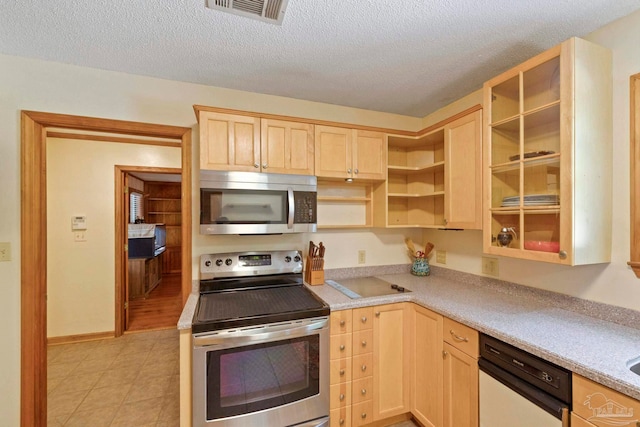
441, 257
490, 266
5, 251
362, 256
80, 236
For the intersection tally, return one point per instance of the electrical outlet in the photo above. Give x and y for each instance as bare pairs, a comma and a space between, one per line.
5, 251
490, 266
79, 236
362, 256
441, 257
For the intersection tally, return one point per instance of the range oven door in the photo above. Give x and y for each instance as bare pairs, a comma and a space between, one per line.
274, 374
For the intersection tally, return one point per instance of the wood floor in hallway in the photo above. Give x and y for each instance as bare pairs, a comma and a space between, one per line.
161, 310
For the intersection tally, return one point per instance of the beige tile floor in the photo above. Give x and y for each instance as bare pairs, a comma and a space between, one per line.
129, 381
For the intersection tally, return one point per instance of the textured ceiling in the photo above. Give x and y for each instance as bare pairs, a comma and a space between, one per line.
408, 57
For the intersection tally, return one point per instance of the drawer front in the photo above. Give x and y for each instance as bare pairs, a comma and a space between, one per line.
339, 395
362, 413
362, 366
340, 322
362, 342
340, 346
576, 421
461, 337
339, 371
340, 417
362, 318
362, 389
601, 406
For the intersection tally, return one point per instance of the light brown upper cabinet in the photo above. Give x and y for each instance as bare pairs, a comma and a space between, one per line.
350, 153
547, 157
435, 180
252, 144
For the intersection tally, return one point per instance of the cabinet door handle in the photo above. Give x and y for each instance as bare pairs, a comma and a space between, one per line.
342, 347
364, 415
363, 391
341, 397
349, 171
256, 165
341, 421
364, 368
458, 337
342, 322
364, 319
444, 354
341, 372
356, 171
364, 343
563, 255
264, 166
377, 314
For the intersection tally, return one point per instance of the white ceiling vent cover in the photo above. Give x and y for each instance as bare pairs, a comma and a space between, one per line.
271, 11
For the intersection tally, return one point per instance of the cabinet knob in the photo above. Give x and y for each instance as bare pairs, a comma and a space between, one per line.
342, 347
256, 165
341, 421
356, 171
348, 170
364, 319
444, 354
364, 415
377, 314
563, 255
341, 397
364, 368
445, 221
363, 391
364, 343
264, 166
341, 372
342, 322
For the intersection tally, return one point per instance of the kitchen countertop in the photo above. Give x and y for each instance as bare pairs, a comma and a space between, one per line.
553, 326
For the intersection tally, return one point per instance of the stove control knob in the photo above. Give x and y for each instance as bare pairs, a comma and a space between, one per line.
207, 263
287, 259
218, 262
296, 258
228, 261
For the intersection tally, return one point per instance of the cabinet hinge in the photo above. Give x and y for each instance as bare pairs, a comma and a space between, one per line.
126, 305
126, 190
126, 247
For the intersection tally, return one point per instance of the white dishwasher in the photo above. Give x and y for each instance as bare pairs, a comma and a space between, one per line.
518, 389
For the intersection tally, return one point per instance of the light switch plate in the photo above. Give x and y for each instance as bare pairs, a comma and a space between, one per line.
490, 266
441, 257
5, 251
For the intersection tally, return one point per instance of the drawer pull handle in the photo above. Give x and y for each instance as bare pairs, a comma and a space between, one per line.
341, 372
444, 354
364, 343
364, 319
364, 391
341, 397
364, 415
342, 347
377, 314
341, 421
342, 322
458, 337
364, 368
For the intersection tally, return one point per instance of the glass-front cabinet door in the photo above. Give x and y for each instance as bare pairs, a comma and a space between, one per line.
544, 152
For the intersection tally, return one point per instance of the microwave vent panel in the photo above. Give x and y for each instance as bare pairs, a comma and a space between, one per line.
271, 11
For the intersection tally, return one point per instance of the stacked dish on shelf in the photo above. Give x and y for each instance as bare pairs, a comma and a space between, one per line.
531, 200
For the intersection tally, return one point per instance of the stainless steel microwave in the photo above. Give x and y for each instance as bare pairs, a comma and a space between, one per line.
257, 203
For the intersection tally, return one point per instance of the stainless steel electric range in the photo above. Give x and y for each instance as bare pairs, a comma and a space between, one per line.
260, 343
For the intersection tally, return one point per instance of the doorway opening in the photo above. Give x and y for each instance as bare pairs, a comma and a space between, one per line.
36, 127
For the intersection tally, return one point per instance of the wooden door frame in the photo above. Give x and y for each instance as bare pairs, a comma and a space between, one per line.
33, 239
121, 233
634, 132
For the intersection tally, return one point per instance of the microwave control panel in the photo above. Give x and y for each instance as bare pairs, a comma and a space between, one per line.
306, 203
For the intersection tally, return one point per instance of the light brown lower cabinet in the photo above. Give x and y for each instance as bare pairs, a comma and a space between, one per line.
460, 388
595, 405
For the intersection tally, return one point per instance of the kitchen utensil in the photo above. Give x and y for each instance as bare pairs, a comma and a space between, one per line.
428, 248
410, 246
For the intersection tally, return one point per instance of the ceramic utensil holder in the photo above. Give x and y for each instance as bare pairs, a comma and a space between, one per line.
420, 267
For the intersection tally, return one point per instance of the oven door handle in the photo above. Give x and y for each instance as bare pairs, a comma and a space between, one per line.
256, 336
292, 203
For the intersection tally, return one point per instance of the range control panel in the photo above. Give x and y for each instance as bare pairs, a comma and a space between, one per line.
238, 264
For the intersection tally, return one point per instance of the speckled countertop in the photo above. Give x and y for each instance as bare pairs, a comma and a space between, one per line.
594, 340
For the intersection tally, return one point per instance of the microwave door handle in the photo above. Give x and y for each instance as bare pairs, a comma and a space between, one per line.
291, 204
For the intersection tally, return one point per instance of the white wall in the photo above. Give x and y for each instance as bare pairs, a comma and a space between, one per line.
612, 283
81, 275
45, 86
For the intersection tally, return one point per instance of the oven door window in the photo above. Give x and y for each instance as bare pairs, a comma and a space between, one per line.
262, 376
243, 207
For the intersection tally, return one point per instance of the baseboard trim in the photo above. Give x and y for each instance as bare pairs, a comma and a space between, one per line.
68, 339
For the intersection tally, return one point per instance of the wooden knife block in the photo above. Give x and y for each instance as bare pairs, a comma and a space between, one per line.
313, 277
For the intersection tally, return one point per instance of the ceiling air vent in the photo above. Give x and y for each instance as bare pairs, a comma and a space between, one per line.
271, 11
